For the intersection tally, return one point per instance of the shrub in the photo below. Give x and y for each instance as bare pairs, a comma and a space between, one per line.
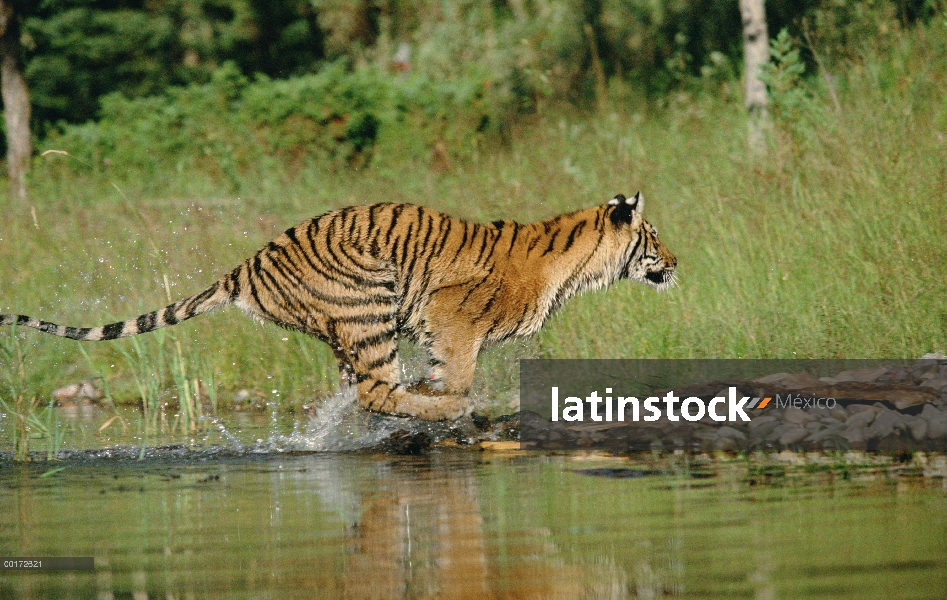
230, 127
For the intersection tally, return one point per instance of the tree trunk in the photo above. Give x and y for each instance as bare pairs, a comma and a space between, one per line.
16, 101
755, 55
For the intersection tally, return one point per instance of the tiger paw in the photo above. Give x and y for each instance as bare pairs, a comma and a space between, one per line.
433, 408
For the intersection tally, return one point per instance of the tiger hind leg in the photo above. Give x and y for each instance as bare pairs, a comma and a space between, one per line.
372, 353
453, 344
347, 378
384, 397
453, 361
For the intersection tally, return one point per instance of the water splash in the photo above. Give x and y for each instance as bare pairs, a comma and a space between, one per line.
235, 443
339, 426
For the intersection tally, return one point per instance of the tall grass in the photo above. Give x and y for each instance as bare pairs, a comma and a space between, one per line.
32, 418
830, 246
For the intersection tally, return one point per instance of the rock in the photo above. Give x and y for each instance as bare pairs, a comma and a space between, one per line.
679, 435
633, 437
894, 375
793, 435
67, 393
839, 413
818, 412
405, 442
73, 392
796, 415
480, 422
730, 432
800, 381
861, 419
925, 370
901, 421
819, 436
934, 356
499, 446
938, 384
706, 434
937, 428
779, 430
758, 421
930, 412
249, 400
725, 443
858, 376
775, 378
918, 428
791, 381
892, 442
855, 436
763, 431
883, 424
505, 427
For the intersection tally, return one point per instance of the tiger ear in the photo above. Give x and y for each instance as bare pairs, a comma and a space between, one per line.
626, 210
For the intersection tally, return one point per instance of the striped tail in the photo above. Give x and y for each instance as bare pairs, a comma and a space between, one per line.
213, 297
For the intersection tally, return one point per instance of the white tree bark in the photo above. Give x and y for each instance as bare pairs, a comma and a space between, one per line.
755, 55
16, 101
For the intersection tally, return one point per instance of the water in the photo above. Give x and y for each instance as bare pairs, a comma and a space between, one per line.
264, 505
337, 426
466, 524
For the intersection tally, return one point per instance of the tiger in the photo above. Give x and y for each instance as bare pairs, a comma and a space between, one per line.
361, 278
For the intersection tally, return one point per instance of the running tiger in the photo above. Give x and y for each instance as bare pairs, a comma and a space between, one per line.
360, 277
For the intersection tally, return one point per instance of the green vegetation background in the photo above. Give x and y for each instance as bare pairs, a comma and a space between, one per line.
166, 159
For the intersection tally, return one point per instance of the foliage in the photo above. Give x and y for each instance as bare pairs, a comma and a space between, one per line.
231, 127
77, 51
783, 79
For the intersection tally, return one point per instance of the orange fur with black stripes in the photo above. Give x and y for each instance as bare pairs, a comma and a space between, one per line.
359, 278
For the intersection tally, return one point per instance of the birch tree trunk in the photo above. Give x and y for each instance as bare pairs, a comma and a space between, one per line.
755, 55
16, 101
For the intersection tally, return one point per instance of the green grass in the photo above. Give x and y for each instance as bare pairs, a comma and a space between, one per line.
833, 245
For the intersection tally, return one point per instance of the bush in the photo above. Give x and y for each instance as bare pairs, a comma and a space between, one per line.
231, 127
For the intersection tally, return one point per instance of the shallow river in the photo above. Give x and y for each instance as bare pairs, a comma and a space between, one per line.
225, 520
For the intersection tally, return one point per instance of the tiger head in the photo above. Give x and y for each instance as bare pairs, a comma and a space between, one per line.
646, 259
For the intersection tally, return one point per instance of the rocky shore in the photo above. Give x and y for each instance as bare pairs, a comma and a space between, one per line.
897, 408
